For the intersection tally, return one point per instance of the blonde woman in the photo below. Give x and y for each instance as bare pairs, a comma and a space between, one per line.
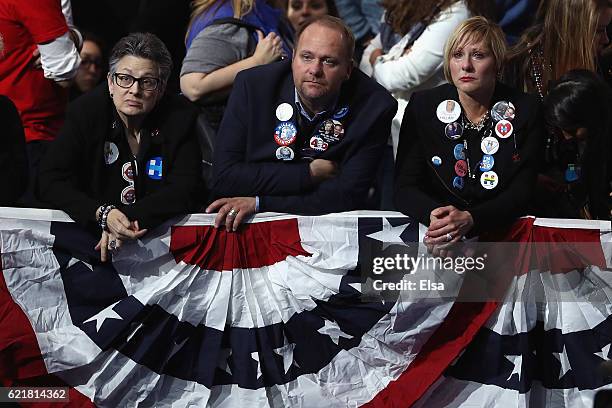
225, 37
565, 40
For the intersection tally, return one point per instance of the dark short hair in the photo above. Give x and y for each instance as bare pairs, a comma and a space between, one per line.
142, 45
334, 23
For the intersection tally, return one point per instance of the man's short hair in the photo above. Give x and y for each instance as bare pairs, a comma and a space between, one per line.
333, 23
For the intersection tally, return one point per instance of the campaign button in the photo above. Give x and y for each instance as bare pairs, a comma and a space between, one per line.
436, 160
448, 111
127, 172
504, 129
285, 133
340, 113
459, 152
319, 144
128, 195
487, 162
111, 152
453, 130
458, 183
154, 168
284, 112
489, 145
284, 153
461, 168
503, 110
489, 180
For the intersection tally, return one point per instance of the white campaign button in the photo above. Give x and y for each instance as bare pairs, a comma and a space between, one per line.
284, 112
489, 145
111, 152
503, 129
489, 180
284, 153
448, 111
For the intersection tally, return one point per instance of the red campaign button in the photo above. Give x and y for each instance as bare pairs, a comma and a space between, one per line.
461, 168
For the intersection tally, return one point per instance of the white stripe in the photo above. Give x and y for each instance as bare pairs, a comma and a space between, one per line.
450, 392
570, 223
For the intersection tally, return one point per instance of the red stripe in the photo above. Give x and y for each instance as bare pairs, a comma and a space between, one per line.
21, 362
253, 246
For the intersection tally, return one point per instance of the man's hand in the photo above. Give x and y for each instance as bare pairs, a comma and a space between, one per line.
321, 170
232, 211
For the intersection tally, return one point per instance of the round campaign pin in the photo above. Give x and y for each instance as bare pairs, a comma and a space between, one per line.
128, 195
489, 180
111, 152
284, 153
436, 160
332, 131
285, 133
503, 110
487, 162
453, 130
504, 129
284, 112
448, 111
458, 183
317, 143
340, 113
489, 145
126, 172
461, 168
459, 152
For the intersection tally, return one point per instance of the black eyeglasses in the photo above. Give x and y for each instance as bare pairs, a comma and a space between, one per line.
126, 81
87, 62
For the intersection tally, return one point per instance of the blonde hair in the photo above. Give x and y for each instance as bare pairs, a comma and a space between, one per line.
476, 29
240, 7
566, 38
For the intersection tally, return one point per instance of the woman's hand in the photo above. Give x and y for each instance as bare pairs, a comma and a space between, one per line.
269, 49
448, 225
375, 54
108, 243
121, 227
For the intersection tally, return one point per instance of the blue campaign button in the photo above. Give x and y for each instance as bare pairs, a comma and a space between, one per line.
458, 183
487, 162
340, 113
154, 168
459, 152
436, 160
572, 173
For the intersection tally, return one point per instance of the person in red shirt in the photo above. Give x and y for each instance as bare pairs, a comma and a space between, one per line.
40, 92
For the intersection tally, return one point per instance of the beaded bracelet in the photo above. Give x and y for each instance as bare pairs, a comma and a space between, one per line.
104, 211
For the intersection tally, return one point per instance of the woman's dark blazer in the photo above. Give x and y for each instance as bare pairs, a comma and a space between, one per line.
421, 186
73, 175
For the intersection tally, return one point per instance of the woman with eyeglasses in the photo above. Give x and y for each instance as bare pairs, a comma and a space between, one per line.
127, 158
92, 66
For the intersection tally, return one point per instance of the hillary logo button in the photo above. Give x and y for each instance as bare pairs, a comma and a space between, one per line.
503, 129
317, 143
458, 183
285, 133
436, 160
284, 153
154, 168
111, 152
489, 180
489, 145
128, 195
503, 110
453, 131
461, 168
284, 112
340, 113
448, 111
459, 152
572, 173
487, 162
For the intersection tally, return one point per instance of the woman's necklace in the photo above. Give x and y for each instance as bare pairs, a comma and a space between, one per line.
476, 126
537, 65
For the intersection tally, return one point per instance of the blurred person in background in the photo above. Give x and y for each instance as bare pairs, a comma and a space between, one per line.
299, 11
93, 65
363, 17
39, 61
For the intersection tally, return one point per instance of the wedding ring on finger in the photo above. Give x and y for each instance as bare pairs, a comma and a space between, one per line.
449, 237
112, 245
232, 213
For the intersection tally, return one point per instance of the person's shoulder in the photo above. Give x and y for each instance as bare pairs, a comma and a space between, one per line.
179, 104
6, 104
264, 75
514, 95
361, 86
435, 95
91, 102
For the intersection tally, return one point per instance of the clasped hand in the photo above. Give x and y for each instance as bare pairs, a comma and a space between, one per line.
120, 229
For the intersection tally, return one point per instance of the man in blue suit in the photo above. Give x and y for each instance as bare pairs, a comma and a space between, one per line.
303, 137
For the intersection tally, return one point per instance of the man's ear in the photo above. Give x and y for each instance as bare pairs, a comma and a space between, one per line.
349, 70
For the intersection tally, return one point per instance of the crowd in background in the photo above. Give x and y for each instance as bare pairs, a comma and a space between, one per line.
61, 50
